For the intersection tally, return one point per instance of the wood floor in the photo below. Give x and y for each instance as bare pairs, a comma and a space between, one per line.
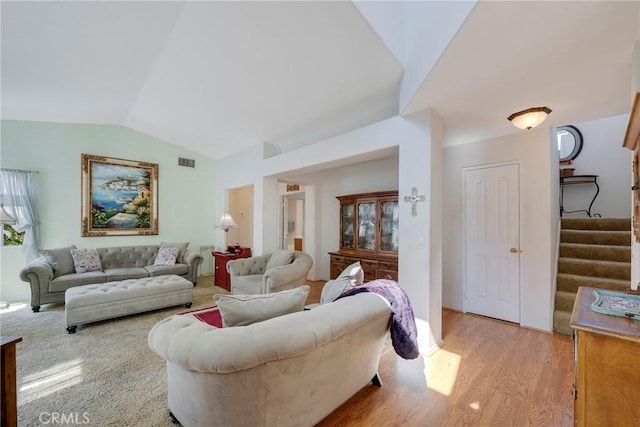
487, 373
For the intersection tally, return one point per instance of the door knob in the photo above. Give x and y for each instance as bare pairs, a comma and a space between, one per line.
514, 250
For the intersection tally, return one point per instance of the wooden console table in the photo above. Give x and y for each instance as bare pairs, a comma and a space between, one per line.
607, 355
9, 396
574, 180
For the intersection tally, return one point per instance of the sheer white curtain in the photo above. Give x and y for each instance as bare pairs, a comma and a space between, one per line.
17, 193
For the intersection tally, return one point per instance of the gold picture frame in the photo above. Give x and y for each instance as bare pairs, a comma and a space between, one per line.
119, 197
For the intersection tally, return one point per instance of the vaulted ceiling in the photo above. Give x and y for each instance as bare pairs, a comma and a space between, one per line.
218, 77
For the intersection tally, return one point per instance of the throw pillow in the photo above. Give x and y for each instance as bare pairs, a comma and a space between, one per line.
60, 260
351, 276
166, 256
334, 288
243, 310
181, 246
355, 272
280, 257
86, 260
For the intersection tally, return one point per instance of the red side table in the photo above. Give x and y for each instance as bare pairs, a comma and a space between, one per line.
222, 278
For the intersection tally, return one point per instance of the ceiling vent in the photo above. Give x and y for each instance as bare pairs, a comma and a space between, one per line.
190, 163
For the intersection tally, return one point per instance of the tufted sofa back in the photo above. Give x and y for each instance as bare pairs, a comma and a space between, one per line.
253, 265
127, 256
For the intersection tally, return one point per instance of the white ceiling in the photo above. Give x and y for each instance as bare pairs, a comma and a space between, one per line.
218, 77
572, 56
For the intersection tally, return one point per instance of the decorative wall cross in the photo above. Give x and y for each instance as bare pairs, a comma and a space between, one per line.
414, 198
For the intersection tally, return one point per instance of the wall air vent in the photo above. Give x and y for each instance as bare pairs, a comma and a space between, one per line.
190, 163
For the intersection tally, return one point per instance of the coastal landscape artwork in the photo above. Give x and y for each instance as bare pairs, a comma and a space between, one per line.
119, 197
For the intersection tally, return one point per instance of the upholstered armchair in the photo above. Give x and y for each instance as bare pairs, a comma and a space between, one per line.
269, 273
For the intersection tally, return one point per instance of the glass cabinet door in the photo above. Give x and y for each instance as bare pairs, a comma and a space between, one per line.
389, 225
347, 221
367, 226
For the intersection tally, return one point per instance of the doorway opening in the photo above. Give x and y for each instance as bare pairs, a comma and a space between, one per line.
292, 219
240, 206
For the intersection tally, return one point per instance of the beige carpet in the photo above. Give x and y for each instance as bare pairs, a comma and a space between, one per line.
594, 252
103, 375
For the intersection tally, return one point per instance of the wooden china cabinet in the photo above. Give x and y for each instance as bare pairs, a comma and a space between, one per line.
369, 234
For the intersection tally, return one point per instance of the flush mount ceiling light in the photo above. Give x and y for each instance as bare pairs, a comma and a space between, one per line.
529, 118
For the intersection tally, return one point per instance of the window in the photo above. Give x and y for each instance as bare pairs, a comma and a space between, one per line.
19, 218
10, 237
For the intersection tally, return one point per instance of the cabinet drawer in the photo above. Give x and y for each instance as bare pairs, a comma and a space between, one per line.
336, 269
337, 258
370, 268
385, 265
368, 265
343, 259
388, 274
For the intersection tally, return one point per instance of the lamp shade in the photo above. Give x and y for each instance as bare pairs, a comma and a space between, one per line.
5, 218
530, 118
226, 222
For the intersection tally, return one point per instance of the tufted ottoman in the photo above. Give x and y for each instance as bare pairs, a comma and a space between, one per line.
91, 303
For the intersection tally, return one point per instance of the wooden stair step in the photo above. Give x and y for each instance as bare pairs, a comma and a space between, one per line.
565, 300
596, 237
571, 283
612, 224
593, 268
598, 252
561, 321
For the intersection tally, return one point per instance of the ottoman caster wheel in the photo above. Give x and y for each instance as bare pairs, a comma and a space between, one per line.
72, 329
173, 418
188, 305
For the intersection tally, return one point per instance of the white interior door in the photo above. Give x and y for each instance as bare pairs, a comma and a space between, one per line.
492, 239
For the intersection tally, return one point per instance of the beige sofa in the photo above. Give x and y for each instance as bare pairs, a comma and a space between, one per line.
291, 370
256, 275
52, 274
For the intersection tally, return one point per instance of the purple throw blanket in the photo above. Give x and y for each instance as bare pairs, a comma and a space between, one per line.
404, 333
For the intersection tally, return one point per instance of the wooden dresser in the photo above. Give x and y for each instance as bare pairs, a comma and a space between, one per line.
607, 353
9, 398
369, 234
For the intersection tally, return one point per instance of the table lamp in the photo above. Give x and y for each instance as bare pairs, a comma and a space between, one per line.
226, 223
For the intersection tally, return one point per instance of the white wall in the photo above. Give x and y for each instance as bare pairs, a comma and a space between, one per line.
241, 210
411, 137
534, 150
420, 255
186, 211
602, 154
429, 27
373, 175
239, 170
635, 87
387, 19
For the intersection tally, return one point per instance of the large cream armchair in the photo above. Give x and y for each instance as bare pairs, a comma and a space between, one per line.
269, 273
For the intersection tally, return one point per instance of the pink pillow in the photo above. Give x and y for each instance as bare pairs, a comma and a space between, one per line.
85, 260
166, 256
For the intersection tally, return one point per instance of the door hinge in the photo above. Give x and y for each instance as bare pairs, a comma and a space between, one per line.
574, 391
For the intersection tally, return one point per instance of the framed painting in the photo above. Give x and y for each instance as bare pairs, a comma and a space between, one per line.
119, 197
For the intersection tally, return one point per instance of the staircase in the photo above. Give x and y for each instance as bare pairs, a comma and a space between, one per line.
594, 252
